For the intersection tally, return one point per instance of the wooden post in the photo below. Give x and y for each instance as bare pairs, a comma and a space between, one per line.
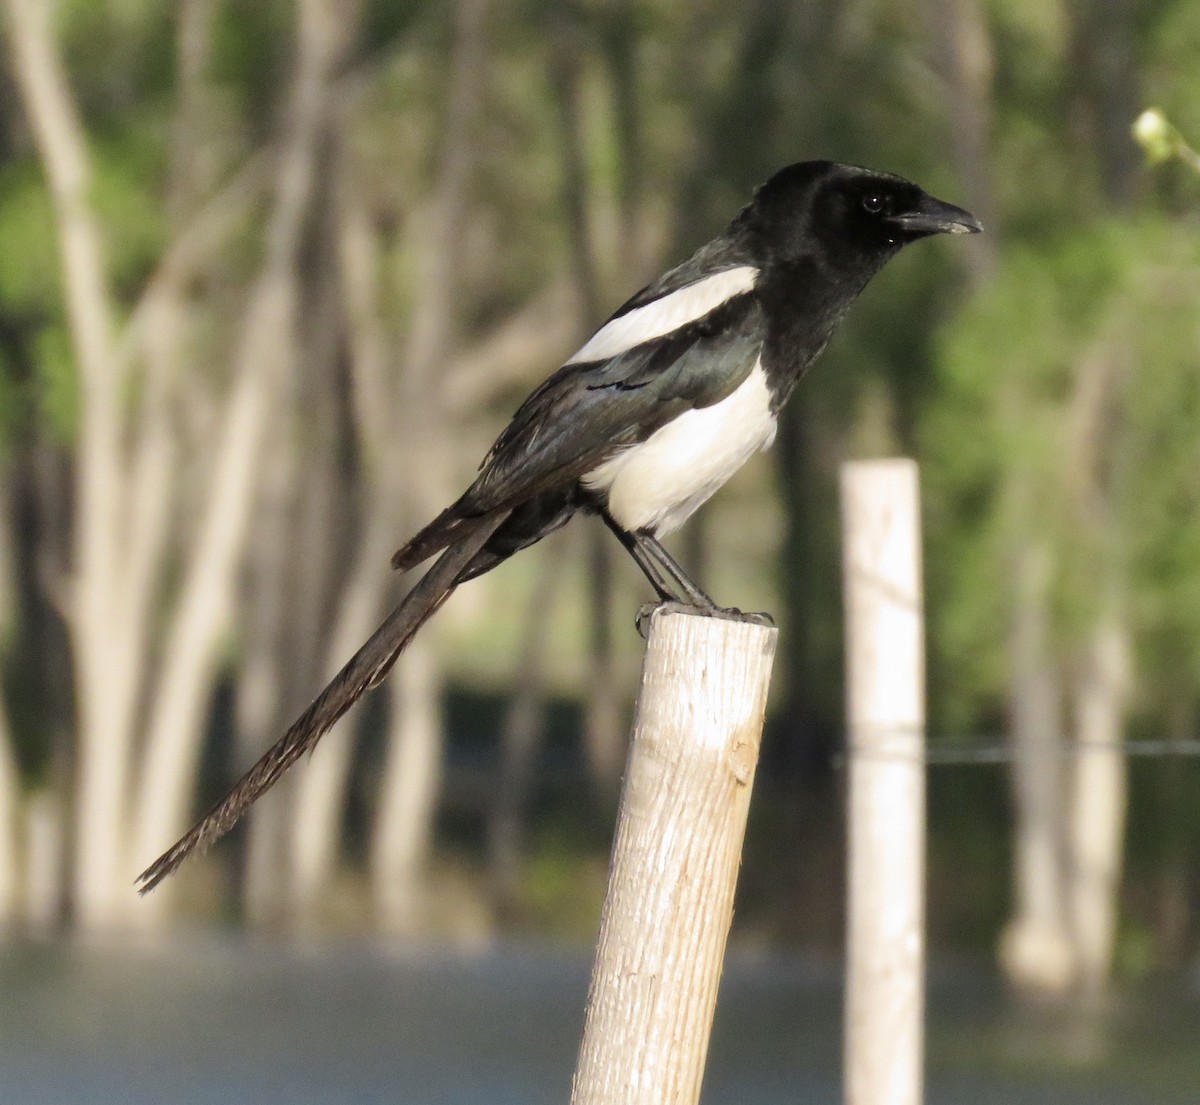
886, 706
682, 819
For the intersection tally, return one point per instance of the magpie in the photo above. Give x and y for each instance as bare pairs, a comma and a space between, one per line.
646, 421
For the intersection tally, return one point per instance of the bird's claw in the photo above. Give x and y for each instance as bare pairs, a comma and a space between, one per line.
670, 606
750, 617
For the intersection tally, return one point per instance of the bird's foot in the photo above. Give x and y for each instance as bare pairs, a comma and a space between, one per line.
667, 606
753, 617
671, 606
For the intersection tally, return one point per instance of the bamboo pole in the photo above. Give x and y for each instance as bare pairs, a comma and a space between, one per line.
885, 701
680, 828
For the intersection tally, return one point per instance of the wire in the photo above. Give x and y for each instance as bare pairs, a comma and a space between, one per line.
944, 752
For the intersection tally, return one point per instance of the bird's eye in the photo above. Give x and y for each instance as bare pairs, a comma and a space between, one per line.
872, 203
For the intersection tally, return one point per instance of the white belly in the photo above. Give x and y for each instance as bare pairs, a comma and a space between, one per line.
658, 484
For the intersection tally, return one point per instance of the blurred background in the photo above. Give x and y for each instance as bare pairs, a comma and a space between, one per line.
273, 275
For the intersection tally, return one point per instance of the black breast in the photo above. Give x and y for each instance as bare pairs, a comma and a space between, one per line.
803, 303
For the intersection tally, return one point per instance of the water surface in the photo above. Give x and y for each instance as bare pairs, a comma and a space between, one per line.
215, 1020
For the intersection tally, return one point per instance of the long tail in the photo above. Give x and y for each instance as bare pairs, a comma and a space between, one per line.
366, 668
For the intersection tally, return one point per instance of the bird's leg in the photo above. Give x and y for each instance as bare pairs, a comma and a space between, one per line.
694, 594
651, 570
647, 550
697, 598
667, 597
674, 587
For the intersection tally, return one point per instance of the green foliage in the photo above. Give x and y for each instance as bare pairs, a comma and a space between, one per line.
119, 55
252, 44
1162, 461
57, 393
1002, 447
127, 191
127, 197
36, 371
1173, 77
29, 260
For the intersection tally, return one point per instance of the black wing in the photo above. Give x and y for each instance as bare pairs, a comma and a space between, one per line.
585, 413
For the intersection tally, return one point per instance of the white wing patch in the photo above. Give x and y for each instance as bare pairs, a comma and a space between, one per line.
658, 484
659, 318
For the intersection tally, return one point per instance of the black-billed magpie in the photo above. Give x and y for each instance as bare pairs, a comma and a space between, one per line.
653, 414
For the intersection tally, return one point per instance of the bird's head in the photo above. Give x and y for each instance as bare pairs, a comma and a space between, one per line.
853, 217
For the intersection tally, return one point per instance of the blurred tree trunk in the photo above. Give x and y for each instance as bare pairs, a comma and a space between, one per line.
193, 171
10, 811
404, 822
1098, 773
320, 797
504, 357
10, 773
126, 477
1071, 810
324, 526
261, 364
412, 776
807, 450
1037, 950
1104, 39
523, 734
316, 818
603, 733
1096, 811
1177, 874
963, 53
1105, 91
44, 860
259, 708
602, 736
106, 699
41, 666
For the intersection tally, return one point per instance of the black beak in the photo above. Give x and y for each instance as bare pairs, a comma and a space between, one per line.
933, 216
